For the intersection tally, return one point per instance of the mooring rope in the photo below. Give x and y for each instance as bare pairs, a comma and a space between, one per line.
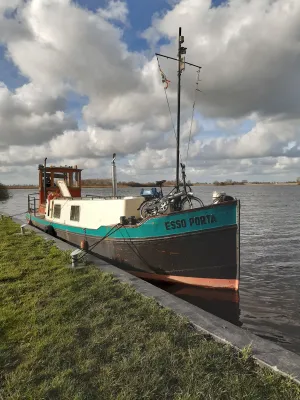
14, 215
109, 233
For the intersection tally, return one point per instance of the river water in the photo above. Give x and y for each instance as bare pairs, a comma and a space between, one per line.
269, 300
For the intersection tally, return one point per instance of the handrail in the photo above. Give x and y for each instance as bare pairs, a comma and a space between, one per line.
104, 197
31, 202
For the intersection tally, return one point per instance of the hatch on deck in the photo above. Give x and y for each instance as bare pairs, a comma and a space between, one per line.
63, 188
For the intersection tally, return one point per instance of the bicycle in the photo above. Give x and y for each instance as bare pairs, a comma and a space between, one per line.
174, 201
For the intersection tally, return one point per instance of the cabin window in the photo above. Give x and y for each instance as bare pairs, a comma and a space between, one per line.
75, 213
76, 179
57, 210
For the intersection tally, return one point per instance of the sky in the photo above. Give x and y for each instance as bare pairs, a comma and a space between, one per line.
79, 81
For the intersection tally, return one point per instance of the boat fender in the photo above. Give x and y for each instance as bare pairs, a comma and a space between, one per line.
50, 230
50, 196
84, 245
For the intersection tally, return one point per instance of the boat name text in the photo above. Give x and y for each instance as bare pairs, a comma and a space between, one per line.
182, 223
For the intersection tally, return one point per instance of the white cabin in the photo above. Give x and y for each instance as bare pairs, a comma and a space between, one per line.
91, 213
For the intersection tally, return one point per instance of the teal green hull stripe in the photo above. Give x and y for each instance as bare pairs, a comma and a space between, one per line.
166, 225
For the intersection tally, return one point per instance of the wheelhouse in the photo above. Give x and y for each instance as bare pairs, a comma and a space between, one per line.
48, 178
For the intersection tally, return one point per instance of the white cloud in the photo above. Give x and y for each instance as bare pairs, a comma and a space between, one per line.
36, 99
31, 117
9, 4
249, 50
268, 138
116, 10
67, 46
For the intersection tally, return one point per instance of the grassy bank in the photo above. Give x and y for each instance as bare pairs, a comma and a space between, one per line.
80, 334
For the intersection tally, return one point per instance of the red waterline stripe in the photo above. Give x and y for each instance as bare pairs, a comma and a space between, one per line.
232, 284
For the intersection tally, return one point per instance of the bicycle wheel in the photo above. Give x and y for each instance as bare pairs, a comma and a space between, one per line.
149, 208
191, 202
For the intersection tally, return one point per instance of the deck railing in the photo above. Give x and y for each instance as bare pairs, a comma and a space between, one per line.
32, 203
92, 196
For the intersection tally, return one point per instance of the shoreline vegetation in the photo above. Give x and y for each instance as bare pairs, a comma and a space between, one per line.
81, 334
106, 183
4, 194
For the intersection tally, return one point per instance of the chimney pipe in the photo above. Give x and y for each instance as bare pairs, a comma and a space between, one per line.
114, 176
45, 189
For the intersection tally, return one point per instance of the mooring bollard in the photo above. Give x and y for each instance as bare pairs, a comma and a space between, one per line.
76, 256
23, 229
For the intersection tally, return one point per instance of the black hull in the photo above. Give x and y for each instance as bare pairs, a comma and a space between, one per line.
209, 258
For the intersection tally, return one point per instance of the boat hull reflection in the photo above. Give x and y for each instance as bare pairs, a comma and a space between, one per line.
222, 303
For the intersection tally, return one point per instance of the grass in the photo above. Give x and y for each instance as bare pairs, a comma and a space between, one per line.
81, 334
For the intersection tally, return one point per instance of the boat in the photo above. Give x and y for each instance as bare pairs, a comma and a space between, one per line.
195, 245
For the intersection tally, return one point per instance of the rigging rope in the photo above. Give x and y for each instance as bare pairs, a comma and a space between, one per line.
14, 215
165, 80
193, 111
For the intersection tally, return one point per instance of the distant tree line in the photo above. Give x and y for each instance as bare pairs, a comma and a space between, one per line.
96, 182
20, 186
107, 183
136, 184
229, 182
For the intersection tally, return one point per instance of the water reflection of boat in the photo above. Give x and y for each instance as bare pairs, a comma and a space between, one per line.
222, 303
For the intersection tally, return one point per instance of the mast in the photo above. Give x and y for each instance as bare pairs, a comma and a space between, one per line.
181, 61
178, 112
181, 66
